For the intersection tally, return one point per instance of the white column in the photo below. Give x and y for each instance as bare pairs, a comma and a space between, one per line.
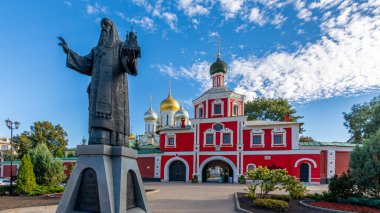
206, 116
295, 137
2, 170
157, 166
330, 163
228, 107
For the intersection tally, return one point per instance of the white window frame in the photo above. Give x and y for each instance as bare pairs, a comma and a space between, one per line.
250, 164
170, 135
257, 132
217, 101
282, 132
200, 106
227, 131
209, 131
233, 109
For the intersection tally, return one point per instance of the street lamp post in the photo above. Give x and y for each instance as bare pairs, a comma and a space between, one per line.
12, 125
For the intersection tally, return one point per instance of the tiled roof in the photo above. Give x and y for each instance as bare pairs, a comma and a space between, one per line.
187, 127
215, 90
149, 151
317, 143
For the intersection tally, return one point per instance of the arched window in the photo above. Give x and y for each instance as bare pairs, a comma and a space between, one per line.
251, 167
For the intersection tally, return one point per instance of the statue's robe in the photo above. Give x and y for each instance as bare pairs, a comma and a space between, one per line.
108, 90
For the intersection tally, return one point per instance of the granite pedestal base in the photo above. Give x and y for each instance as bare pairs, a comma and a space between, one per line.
105, 179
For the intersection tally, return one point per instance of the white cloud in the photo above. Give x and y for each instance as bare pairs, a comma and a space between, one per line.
257, 17
197, 73
96, 9
192, 8
303, 12
171, 19
278, 20
344, 61
144, 22
68, 3
143, 3
241, 27
231, 7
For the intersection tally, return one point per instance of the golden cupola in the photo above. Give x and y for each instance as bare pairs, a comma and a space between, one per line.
169, 103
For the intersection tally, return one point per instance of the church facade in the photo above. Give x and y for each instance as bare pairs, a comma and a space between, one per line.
220, 144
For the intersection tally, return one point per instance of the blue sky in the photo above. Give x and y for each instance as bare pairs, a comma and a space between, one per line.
320, 55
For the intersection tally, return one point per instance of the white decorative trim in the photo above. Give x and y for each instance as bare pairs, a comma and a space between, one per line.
250, 164
295, 137
167, 164
209, 131
219, 95
258, 132
247, 153
279, 131
305, 159
200, 106
228, 161
235, 103
330, 163
157, 166
228, 106
170, 135
217, 101
228, 131
219, 119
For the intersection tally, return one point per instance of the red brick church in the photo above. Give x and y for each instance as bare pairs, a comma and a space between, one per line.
219, 141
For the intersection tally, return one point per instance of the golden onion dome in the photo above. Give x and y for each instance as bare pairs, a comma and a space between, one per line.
131, 136
150, 115
181, 113
169, 103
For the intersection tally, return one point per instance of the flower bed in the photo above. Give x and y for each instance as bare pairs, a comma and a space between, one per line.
344, 207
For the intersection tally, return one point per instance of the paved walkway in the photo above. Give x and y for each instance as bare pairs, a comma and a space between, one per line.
181, 197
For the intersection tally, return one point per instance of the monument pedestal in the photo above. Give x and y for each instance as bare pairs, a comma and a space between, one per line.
105, 179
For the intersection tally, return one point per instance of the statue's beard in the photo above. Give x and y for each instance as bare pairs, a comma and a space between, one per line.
105, 39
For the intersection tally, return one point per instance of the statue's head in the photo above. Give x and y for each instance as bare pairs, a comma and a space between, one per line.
109, 34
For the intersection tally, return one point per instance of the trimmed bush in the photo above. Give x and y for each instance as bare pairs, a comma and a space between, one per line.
325, 196
26, 181
194, 179
43, 190
277, 205
286, 198
242, 179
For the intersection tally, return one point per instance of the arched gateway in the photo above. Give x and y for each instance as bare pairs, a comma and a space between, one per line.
226, 165
176, 169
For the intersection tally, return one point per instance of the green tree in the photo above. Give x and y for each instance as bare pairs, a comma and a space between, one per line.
42, 132
270, 109
365, 165
306, 139
363, 120
46, 170
26, 181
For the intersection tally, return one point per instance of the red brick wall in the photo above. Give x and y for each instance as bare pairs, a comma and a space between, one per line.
7, 171
146, 166
267, 140
323, 164
342, 161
